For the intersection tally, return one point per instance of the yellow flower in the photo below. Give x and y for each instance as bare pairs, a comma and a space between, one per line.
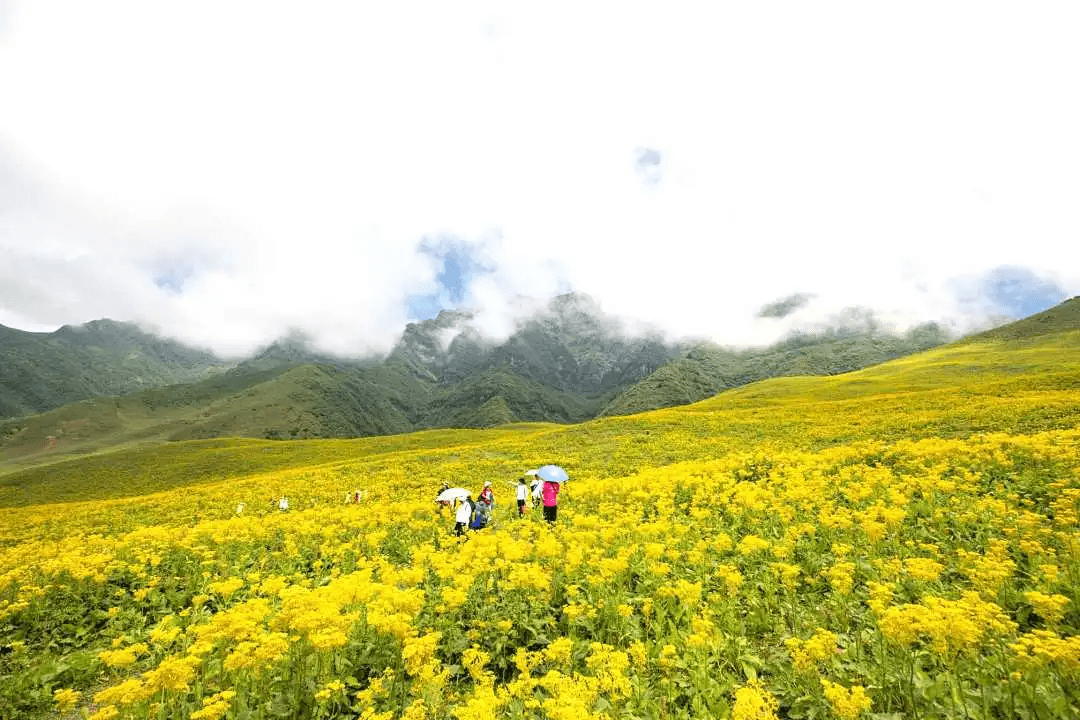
731, 576
227, 587
525, 661
688, 593
819, 648
117, 658
481, 705
1050, 571
951, 626
108, 712
609, 667
753, 702
1044, 647
174, 673
165, 632
215, 706
558, 652
840, 577
575, 610
1049, 607
129, 692
474, 660
881, 595
846, 704
329, 690
787, 573
65, 699
923, 568
416, 710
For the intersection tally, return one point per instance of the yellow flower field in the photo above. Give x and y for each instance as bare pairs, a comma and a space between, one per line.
900, 542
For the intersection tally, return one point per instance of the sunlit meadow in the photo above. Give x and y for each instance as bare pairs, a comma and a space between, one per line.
900, 542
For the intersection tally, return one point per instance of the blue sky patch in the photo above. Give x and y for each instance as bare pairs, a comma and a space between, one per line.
174, 277
1020, 292
458, 265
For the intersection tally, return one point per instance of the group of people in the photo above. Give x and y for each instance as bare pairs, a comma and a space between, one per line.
476, 514
538, 489
471, 514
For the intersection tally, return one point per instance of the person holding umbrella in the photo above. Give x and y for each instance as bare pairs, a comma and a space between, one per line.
552, 477
448, 497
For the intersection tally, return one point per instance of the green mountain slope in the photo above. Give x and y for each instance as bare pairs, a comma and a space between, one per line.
566, 364
42, 371
1061, 318
570, 346
289, 401
478, 400
1026, 383
708, 369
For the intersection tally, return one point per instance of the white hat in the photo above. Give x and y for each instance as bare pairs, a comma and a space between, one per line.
487, 483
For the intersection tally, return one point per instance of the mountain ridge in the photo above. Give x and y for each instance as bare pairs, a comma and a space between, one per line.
567, 364
42, 371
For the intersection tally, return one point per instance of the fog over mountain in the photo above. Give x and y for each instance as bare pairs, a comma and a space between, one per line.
567, 362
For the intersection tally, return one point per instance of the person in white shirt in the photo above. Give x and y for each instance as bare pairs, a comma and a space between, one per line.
522, 495
464, 515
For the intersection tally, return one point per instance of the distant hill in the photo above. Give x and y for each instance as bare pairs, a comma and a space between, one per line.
708, 369
42, 371
567, 363
1060, 318
570, 346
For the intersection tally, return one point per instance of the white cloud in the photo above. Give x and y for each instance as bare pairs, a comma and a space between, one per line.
286, 164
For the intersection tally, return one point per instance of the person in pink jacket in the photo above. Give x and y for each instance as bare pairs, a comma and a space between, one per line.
550, 495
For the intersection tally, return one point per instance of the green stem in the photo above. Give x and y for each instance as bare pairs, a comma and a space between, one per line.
959, 692
885, 674
911, 685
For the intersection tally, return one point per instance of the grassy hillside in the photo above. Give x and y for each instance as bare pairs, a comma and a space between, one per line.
1060, 318
145, 470
280, 395
567, 363
459, 404
979, 385
41, 371
279, 402
708, 369
895, 542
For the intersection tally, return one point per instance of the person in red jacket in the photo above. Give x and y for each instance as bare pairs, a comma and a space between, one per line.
487, 496
550, 495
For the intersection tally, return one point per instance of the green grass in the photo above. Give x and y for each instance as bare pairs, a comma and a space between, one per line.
155, 468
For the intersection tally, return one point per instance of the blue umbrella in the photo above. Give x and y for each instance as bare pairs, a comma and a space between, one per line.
552, 473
